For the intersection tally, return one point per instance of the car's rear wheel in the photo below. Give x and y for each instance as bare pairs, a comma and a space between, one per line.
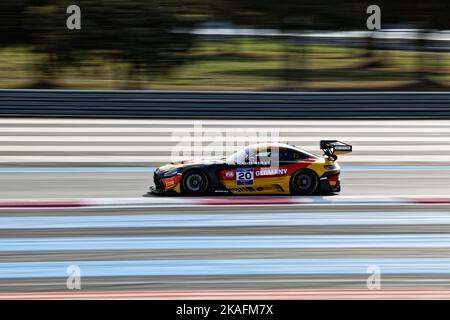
304, 182
195, 183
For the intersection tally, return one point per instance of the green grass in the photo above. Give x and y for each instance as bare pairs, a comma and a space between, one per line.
247, 64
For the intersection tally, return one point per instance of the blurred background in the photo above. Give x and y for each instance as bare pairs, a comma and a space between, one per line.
225, 45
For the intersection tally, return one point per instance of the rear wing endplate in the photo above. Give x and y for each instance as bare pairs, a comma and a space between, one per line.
332, 148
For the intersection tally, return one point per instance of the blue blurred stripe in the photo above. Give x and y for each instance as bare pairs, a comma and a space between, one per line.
225, 242
225, 267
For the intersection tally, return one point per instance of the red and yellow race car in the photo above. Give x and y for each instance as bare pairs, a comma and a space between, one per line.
257, 169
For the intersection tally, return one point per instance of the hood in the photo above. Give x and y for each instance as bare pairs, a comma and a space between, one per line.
187, 163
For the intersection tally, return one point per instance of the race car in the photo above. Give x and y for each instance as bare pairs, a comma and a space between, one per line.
257, 169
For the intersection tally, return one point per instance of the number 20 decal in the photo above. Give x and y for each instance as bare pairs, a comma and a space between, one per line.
244, 176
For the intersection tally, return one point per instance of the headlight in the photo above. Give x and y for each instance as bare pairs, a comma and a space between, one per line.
330, 167
170, 173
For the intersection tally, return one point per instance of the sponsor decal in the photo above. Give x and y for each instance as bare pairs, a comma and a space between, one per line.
244, 176
271, 172
229, 174
169, 183
243, 189
252, 163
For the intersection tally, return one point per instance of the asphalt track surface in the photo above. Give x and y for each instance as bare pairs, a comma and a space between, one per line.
175, 251
243, 247
18, 185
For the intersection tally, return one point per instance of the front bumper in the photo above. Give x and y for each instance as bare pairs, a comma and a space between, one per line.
163, 185
156, 191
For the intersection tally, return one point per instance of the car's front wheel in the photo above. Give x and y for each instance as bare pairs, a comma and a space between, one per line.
195, 183
304, 182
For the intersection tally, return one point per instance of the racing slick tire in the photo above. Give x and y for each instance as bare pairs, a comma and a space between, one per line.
194, 183
304, 182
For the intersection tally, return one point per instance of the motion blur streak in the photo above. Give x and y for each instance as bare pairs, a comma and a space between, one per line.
41, 145
232, 267
393, 213
334, 294
322, 254
27, 142
211, 219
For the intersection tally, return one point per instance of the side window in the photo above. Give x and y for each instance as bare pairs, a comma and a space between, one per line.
296, 155
291, 155
284, 155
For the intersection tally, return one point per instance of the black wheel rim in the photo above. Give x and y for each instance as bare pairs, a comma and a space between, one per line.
195, 182
304, 182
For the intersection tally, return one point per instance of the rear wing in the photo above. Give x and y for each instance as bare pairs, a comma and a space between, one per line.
331, 148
